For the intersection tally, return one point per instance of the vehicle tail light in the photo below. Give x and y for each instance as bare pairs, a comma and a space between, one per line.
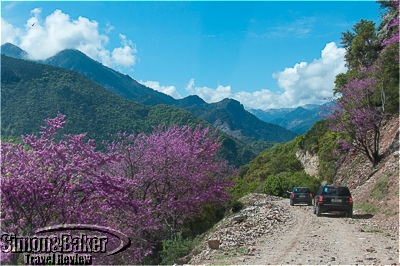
320, 199
310, 195
351, 200
293, 195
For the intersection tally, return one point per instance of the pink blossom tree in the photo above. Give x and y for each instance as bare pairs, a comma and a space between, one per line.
47, 182
176, 169
143, 186
359, 118
394, 37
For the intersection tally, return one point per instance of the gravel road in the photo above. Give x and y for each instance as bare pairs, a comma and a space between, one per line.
304, 238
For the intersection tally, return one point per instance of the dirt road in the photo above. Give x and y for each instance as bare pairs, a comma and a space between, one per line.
304, 238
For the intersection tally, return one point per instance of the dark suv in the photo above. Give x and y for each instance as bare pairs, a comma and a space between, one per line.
300, 195
333, 199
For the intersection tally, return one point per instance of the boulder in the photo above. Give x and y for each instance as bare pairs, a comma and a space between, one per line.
214, 244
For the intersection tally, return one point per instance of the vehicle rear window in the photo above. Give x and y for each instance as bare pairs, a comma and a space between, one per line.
340, 191
301, 190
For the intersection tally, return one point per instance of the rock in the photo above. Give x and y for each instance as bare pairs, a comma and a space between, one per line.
239, 218
250, 250
214, 244
184, 260
309, 161
370, 249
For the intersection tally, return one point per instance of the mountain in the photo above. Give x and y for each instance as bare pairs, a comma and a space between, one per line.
117, 83
230, 116
269, 114
235, 122
32, 92
13, 51
298, 120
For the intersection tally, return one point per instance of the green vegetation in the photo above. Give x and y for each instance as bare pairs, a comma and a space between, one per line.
244, 126
380, 191
322, 142
367, 208
32, 92
175, 249
275, 171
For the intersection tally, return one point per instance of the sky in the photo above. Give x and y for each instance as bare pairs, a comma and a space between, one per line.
265, 54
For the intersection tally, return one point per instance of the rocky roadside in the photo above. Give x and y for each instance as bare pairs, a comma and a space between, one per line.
237, 238
270, 231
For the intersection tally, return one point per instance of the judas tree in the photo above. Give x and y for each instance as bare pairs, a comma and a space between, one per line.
393, 37
359, 118
46, 182
176, 170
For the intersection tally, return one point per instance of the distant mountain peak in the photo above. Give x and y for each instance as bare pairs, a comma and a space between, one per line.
14, 51
230, 103
191, 100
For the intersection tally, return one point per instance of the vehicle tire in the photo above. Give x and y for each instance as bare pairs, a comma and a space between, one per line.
291, 203
350, 214
318, 211
310, 204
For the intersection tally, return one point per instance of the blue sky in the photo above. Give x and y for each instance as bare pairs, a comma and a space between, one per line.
264, 54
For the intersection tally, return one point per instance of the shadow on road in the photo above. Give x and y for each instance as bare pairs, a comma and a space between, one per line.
355, 216
363, 216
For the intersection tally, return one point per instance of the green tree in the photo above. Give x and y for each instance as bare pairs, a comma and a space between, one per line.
361, 45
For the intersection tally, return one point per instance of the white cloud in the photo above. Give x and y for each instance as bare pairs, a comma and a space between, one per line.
8, 33
44, 38
207, 94
169, 90
309, 83
304, 83
124, 55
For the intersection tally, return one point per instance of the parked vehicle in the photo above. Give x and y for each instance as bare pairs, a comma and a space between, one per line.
333, 199
301, 195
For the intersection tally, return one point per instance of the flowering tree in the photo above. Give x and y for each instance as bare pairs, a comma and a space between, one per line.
143, 184
176, 170
358, 117
366, 95
394, 26
45, 182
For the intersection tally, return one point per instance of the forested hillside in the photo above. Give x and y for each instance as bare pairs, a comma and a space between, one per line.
32, 92
227, 115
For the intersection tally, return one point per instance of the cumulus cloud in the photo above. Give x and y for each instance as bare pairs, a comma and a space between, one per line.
304, 83
207, 94
169, 90
124, 55
309, 83
44, 38
8, 33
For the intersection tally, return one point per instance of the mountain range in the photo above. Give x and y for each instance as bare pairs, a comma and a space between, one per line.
298, 120
32, 92
228, 115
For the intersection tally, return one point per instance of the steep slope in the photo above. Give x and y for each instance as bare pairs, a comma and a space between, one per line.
32, 92
118, 83
376, 189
